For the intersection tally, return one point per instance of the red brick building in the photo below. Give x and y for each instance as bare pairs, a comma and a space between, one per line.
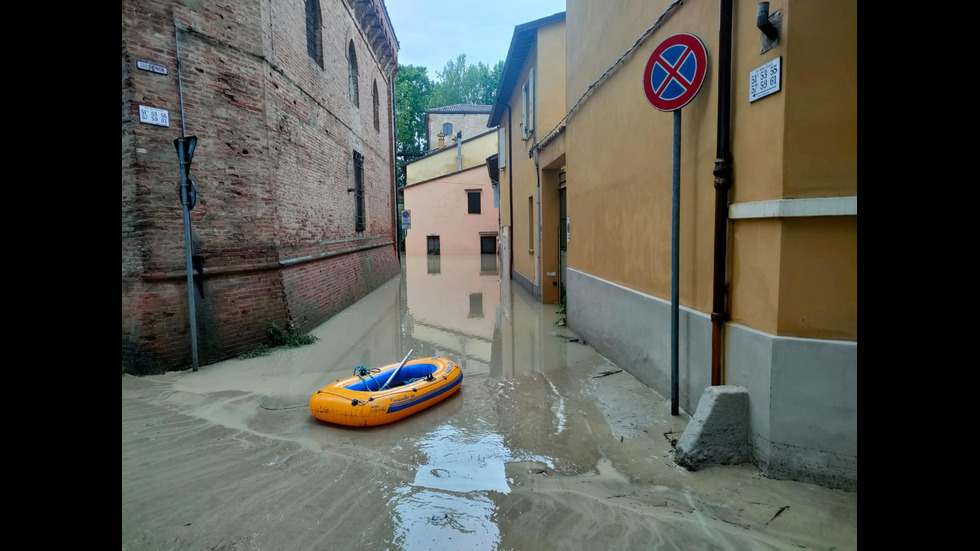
294, 218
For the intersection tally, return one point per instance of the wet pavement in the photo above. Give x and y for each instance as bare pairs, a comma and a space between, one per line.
547, 445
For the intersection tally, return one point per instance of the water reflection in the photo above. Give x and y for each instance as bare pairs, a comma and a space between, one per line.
464, 308
451, 499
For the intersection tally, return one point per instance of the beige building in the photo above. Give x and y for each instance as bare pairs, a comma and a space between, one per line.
444, 124
766, 218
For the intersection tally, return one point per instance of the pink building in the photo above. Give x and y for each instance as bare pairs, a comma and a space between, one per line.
451, 201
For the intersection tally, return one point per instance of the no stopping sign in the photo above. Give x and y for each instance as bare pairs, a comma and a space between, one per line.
675, 71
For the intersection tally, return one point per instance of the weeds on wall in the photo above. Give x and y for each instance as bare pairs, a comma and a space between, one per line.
562, 321
279, 337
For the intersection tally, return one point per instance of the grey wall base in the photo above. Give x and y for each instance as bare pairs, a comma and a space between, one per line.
802, 404
526, 283
718, 432
802, 393
632, 329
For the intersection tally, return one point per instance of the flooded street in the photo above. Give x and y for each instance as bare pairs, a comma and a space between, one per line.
547, 445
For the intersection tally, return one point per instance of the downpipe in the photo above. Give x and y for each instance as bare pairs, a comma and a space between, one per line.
723, 182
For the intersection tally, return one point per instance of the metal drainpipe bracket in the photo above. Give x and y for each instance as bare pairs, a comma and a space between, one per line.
770, 43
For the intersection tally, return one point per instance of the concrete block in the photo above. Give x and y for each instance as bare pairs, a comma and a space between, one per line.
718, 432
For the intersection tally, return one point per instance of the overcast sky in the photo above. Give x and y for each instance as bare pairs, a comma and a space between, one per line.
430, 33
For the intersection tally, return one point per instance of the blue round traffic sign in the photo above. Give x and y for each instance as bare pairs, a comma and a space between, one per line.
675, 71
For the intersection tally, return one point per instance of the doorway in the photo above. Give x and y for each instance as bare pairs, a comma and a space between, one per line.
563, 235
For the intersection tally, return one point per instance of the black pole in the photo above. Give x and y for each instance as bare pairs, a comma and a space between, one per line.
674, 262
185, 194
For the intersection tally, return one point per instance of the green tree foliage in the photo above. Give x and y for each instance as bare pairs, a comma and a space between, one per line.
412, 93
462, 83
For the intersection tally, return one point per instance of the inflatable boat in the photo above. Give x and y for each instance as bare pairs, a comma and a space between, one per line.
385, 394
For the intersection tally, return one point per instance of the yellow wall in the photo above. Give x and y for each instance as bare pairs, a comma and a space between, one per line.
475, 152
619, 154
800, 142
797, 143
821, 100
818, 278
525, 187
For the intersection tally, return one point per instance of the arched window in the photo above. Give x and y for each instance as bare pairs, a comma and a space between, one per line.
374, 100
352, 73
314, 42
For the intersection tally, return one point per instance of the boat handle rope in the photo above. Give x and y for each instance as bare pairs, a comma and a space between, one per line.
361, 370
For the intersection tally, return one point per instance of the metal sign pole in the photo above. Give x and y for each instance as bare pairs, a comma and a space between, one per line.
674, 262
185, 195
673, 76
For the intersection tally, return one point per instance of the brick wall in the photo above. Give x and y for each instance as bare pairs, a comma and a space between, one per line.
272, 168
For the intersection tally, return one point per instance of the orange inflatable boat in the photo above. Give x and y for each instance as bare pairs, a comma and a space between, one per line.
389, 393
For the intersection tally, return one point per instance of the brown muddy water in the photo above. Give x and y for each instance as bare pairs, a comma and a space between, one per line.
547, 445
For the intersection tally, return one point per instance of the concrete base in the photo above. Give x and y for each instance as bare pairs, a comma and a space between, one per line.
718, 432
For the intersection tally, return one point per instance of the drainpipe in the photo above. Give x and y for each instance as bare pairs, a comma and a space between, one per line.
459, 150
395, 222
537, 250
723, 181
510, 178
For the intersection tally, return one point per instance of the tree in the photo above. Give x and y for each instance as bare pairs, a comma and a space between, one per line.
462, 83
412, 95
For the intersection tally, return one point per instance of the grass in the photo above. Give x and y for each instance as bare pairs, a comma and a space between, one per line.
561, 312
279, 337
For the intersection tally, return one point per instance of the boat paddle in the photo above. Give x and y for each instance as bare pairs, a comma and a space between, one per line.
395, 372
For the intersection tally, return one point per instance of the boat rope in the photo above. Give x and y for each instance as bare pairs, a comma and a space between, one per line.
266, 397
361, 370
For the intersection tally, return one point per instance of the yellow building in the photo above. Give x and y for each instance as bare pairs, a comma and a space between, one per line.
766, 273
531, 97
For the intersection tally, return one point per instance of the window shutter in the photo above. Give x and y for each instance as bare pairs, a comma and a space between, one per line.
530, 101
524, 121
502, 147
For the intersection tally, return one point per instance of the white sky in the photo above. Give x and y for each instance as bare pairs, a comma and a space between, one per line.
431, 33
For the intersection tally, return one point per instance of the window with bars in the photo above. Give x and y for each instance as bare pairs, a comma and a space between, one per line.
359, 222
432, 244
352, 73
314, 38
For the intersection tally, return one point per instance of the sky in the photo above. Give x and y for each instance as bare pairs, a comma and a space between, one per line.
430, 33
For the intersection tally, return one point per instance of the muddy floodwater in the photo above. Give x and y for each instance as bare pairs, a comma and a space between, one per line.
547, 445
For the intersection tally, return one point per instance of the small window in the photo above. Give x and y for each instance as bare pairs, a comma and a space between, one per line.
352, 73
359, 222
473, 200
488, 244
374, 101
432, 244
314, 42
